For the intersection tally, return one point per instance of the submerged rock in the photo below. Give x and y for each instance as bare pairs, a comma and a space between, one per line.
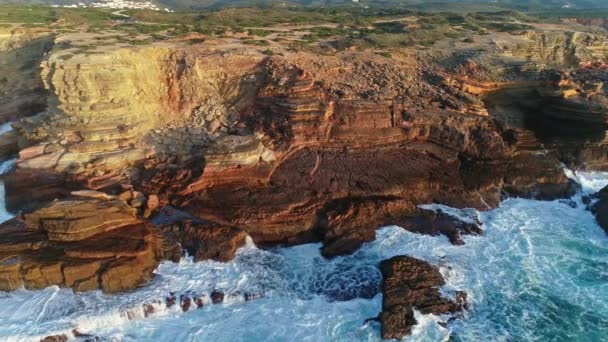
217, 297
411, 284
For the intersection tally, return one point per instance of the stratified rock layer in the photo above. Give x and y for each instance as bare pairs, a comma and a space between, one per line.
81, 244
289, 148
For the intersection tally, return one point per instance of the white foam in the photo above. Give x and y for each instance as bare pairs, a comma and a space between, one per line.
590, 181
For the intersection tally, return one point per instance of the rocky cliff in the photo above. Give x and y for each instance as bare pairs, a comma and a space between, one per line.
21, 89
287, 148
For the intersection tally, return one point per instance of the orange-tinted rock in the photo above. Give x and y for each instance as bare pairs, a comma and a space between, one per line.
115, 260
292, 149
74, 220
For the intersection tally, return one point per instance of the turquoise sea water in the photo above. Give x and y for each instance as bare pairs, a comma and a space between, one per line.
539, 273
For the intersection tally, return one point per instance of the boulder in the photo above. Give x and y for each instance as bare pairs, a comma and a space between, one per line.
411, 284
436, 222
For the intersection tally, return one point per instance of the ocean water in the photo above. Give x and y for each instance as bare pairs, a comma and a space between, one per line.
539, 273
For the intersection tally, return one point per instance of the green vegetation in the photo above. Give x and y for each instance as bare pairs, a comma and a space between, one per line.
573, 13
341, 27
48, 15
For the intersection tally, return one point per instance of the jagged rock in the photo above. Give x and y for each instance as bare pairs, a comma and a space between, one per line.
55, 338
411, 284
170, 300
435, 222
217, 297
600, 208
206, 240
185, 302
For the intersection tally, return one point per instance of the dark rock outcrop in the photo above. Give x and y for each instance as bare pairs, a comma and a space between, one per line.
205, 240
600, 208
411, 284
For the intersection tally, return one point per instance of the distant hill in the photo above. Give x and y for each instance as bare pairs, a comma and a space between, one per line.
417, 4
520, 4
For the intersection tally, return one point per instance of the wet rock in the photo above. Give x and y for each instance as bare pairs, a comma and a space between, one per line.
171, 300
55, 338
411, 284
435, 222
570, 203
8, 145
185, 302
586, 200
87, 337
206, 240
199, 302
600, 208
217, 297
538, 176
249, 296
148, 310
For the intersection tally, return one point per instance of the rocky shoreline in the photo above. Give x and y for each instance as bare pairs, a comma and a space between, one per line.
284, 149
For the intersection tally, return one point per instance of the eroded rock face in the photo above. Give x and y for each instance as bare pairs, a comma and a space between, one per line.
81, 244
563, 48
287, 149
206, 240
410, 284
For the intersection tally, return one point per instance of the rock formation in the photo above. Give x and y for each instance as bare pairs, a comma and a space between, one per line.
205, 240
410, 284
84, 244
287, 149
600, 208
